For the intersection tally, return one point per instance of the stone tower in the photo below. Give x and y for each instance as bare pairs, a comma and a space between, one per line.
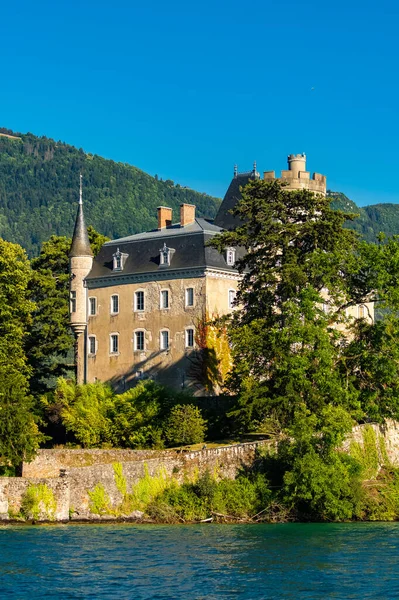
298, 178
80, 263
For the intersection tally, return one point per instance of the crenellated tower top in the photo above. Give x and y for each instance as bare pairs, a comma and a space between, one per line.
298, 178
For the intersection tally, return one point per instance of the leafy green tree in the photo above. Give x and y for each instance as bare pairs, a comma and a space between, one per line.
19, 434
83, 410
15, 306
138, 416
185, 425
319, 481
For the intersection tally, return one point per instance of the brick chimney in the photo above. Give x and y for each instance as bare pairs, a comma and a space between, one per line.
187, 214
164, 217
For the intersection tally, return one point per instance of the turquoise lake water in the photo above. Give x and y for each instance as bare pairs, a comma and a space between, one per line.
194, 562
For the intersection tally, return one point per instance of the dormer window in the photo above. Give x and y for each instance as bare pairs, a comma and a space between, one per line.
230, 257
119, 259
165, 255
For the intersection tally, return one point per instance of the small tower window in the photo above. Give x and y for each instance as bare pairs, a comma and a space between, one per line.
230, 257
73, 302
119, 259
362, 311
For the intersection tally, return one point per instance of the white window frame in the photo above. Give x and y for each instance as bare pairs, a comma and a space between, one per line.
231, 304
111, 350
161, 345
92, 314
136, 309
161, 299
91, 337
112, 304
230, 257
136, 349
186, 338
186, 297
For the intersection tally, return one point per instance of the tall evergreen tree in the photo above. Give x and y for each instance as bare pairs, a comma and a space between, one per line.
296, 283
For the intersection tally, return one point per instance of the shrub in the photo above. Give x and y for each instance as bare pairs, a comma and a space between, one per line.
185, 425
100, 502
38, 502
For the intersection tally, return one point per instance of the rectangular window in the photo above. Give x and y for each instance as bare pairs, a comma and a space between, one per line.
164, 340
139, 340
114, 343
73, 302
92, 344
114, 305
139, 301
232, 298
92, 306
362, 312
190, 338
189, 296
164, 299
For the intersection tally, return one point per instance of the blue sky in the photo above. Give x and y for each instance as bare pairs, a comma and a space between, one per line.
185, 89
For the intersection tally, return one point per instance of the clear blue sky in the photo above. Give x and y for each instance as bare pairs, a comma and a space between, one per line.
187, 89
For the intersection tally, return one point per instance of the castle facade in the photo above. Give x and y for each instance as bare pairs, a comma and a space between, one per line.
136, 307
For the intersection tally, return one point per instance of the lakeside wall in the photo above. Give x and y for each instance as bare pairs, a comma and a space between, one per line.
69, 475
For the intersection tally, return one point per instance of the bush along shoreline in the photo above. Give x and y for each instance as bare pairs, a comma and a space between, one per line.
359, 485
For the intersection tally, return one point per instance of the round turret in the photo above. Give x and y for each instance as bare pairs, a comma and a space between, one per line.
80, 264
296, 164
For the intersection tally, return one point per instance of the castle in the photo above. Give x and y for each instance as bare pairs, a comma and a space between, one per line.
135, 307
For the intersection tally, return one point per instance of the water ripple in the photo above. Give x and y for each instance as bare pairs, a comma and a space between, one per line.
346, 561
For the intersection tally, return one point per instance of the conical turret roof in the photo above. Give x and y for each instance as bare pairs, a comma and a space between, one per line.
80, 240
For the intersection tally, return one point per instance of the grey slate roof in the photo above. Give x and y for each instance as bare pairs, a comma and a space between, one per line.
224, 218
80, 240
143, 249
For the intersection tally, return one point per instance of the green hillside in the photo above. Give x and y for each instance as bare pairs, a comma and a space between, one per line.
39, 182
372, 219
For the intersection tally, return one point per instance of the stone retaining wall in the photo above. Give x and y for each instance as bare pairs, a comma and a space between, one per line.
82, 470
13, 489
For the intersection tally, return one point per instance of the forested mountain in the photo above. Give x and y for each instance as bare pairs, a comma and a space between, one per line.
39, 184
39, 181
372, 219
